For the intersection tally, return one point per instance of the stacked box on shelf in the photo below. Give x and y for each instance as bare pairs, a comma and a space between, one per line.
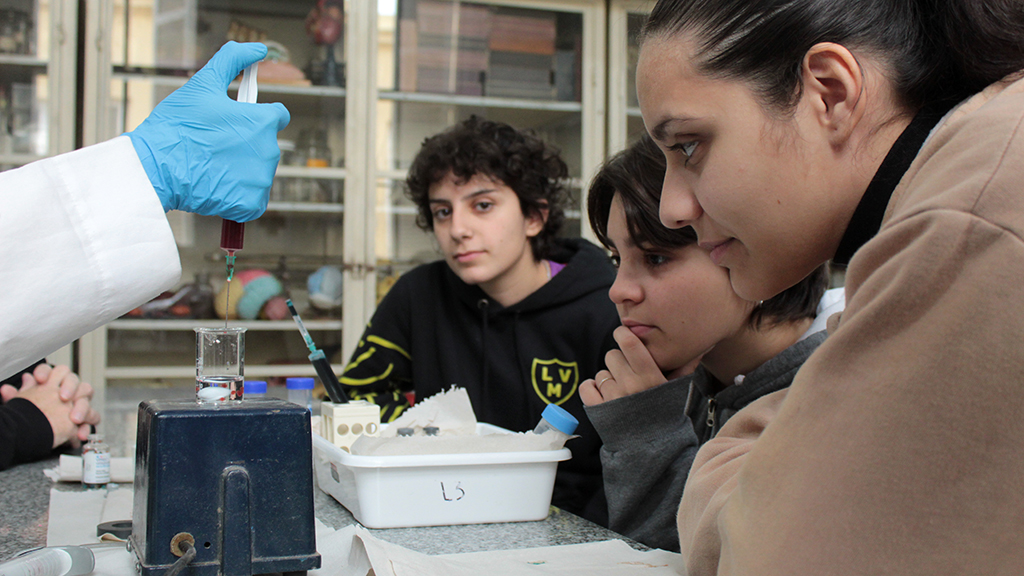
442, 46
408, 39
522, 54
471, 62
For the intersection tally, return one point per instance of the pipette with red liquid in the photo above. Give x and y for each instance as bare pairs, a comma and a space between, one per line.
232, 234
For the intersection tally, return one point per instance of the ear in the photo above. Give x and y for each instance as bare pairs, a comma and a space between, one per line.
833, 84
536, 219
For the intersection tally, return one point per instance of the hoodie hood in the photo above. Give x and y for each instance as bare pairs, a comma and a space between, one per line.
587, 270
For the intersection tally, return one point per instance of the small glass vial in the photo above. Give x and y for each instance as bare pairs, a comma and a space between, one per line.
558, 419
95, 463
255, 389
300, 391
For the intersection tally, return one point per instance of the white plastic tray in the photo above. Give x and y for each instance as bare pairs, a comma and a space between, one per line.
439, 489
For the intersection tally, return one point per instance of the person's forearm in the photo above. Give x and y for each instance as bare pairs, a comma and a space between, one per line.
649, 444
85, 240
25, 433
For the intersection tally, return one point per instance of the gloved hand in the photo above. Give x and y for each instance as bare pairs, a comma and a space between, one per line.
208, 154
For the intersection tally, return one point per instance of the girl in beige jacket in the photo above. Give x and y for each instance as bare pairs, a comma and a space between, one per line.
886, 134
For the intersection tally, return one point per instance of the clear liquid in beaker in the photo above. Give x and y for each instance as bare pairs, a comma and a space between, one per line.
219, 388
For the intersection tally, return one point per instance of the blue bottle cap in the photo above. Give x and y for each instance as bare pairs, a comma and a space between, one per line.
255, 387
559, 418
299, 383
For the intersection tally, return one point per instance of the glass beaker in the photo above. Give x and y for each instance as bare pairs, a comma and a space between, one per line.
220, 364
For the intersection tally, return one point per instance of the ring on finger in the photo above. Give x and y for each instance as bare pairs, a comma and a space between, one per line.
603, 380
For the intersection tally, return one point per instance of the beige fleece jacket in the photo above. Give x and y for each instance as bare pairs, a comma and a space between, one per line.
899, 448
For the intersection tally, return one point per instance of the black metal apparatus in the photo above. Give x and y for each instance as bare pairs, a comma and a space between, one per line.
234, 481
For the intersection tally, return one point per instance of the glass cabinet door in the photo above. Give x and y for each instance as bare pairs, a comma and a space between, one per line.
38, 62
37, 79
150, 48
533, 65
626, 20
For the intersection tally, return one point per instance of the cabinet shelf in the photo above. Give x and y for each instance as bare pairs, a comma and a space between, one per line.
185, 324
23, 60
326, 173
482, 101
175, 80
185, 372
306, 207
401, 175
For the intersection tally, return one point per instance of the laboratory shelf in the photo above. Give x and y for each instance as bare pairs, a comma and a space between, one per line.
404, 210
185, 324
400, 176
414, 211
184, 372
176, 80
482, 101
308, 207
23, 60
312, 173
392, 174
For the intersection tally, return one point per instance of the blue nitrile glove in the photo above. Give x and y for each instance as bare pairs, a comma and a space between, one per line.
208, 154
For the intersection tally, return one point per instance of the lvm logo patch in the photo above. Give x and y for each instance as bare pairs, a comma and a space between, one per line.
555, 381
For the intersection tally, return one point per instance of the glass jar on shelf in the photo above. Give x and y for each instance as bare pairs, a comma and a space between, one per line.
313, 151
16, 32
281, 189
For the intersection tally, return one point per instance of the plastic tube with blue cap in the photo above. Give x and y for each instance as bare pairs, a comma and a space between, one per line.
556, 418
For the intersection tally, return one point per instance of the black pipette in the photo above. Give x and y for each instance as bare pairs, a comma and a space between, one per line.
323, 368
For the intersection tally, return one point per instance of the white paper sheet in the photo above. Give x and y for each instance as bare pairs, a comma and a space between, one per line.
354, 551
69, 469
74, 516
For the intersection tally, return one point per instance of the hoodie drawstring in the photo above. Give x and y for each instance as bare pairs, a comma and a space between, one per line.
483, 304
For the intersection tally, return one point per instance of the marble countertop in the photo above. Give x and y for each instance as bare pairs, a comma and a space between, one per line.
25, 499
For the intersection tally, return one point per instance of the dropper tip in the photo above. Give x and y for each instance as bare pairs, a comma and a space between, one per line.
291, 307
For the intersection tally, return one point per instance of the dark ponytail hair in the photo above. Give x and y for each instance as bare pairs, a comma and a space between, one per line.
636, 175
934, 50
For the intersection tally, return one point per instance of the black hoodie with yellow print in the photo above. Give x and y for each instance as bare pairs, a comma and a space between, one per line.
432, 331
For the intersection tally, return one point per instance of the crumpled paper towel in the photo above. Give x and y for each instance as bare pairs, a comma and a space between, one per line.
449, 410
452, 414
69, 469
354, 551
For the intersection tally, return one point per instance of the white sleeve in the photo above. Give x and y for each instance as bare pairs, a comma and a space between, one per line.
84, 240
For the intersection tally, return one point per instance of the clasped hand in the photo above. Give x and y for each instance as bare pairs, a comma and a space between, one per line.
62, 397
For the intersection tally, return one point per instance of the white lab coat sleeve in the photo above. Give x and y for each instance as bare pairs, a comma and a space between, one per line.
84, 239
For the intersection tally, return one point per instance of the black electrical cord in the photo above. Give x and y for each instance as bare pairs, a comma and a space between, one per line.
179, 565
